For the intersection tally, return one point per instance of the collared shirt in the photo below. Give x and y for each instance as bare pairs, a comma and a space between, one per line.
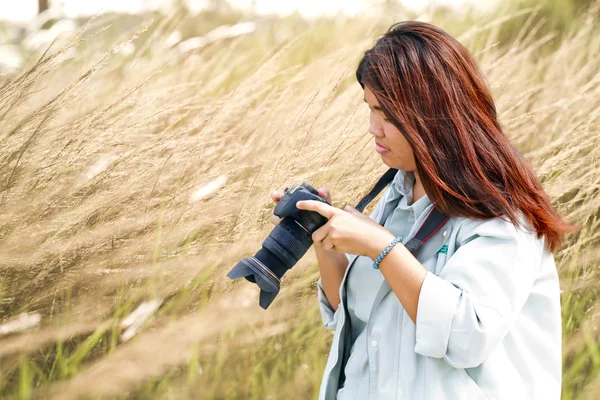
488, 318
362, 285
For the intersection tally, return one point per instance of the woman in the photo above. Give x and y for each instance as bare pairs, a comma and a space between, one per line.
475, 312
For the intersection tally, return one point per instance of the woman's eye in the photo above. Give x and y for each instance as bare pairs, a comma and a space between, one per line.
373, 112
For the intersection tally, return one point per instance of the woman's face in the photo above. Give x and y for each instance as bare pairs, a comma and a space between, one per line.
399, 154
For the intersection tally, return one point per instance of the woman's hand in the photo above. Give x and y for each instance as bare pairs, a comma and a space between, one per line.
348, 230
323, 192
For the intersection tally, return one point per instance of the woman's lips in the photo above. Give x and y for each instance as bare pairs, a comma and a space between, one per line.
381, 149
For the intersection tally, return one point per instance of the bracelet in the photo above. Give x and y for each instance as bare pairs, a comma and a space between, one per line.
387, 250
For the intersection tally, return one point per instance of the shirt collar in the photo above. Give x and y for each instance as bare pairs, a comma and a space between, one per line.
403, 183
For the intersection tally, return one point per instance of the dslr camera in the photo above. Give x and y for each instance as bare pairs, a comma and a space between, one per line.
285, 245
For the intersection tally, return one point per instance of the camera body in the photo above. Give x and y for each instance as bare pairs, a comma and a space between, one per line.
309, 220
285, 245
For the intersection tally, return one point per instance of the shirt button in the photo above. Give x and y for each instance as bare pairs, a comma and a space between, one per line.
374, 343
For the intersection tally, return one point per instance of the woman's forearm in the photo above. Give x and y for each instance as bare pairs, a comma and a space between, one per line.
403, 272
332, 266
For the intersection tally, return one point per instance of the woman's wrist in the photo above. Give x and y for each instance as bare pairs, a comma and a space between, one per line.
379, 244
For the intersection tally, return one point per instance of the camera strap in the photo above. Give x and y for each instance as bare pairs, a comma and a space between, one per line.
379, 186
433, 222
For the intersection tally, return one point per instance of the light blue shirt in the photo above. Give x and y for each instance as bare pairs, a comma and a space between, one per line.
488, 318
362, 284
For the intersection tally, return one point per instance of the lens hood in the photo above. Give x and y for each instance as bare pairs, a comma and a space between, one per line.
255, 271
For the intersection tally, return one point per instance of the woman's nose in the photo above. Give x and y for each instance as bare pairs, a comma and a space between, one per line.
374, 128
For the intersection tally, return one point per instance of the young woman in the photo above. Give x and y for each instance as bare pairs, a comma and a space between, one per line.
475, 312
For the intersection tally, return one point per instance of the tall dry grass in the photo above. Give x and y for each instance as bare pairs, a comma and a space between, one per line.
126, 178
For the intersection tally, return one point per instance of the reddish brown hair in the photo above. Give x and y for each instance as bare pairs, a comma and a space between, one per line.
433, 91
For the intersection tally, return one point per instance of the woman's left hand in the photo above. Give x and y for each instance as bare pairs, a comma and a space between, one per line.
348, 230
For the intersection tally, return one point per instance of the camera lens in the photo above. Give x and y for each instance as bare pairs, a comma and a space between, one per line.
281, 250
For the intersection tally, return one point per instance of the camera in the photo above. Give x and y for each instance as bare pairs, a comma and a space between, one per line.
285, 245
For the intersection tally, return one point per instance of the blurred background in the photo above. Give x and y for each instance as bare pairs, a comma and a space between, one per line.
139, 143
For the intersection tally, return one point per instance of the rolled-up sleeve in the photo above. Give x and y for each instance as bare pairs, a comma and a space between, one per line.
328, 315
465, 312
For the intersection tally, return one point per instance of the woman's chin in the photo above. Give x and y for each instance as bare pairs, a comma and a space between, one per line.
387, 161
391, 164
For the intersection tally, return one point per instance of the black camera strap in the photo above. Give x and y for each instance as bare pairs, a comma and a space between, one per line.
379, 186
433, 222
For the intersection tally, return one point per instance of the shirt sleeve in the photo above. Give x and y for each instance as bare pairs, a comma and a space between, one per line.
328, 315
465, 312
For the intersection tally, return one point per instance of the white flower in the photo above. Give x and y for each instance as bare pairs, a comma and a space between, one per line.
22, 322
134, 321
207, 189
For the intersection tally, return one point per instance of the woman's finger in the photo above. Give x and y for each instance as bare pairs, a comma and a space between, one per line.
276, 195
317, 206
324, 193
327, 244
320, 234
275, 219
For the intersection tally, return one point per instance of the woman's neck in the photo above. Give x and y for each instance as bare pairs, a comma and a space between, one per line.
418, 190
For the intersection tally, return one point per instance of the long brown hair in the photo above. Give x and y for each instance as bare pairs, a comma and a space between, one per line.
433, 91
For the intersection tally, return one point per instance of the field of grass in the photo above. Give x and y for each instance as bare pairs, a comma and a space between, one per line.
134, 174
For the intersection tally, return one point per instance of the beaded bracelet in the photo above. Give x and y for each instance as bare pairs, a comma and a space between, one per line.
387, 250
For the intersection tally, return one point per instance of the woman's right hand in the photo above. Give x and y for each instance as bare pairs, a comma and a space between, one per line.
277, 195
